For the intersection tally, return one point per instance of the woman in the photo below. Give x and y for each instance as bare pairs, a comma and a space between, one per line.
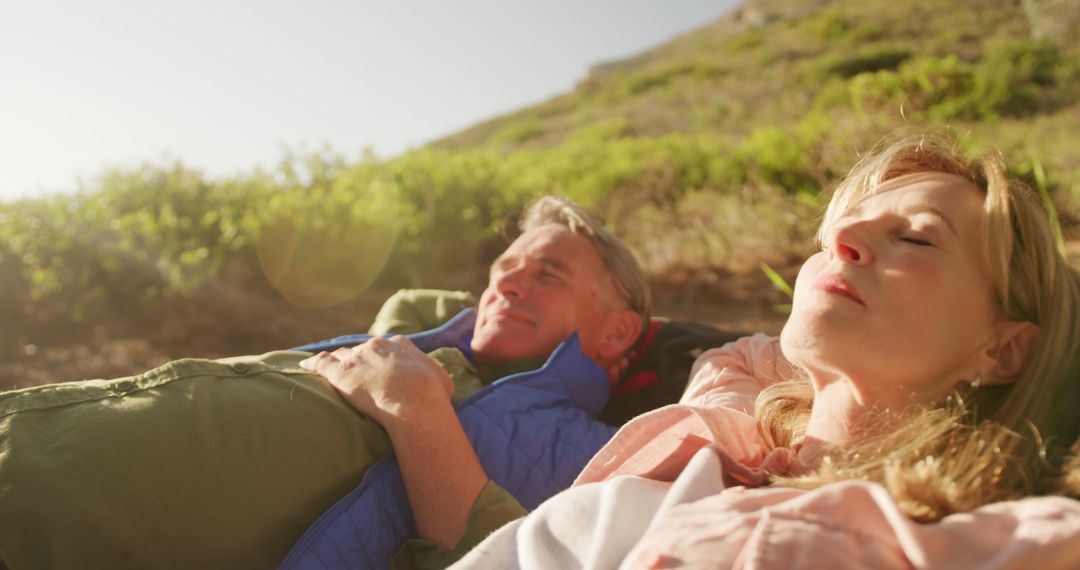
929, 368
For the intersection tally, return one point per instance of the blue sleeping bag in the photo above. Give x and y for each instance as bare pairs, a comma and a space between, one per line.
533, 433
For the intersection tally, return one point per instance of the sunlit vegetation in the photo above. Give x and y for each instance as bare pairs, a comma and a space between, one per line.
708, 154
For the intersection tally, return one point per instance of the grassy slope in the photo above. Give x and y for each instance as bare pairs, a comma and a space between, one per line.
814, 72
772, 63
707, 153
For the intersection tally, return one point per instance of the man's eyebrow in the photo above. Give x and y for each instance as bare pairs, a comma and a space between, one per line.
937, 213
544, 260
553, 263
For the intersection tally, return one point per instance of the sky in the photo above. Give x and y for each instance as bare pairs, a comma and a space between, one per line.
225, 86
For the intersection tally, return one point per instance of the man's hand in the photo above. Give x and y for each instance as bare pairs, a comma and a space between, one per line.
408, 393
386, 379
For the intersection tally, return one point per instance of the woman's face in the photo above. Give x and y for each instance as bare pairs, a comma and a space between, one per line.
900, 300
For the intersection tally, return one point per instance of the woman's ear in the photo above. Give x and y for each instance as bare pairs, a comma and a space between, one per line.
1016, 342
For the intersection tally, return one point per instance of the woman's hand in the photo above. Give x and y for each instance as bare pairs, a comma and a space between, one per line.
386, 379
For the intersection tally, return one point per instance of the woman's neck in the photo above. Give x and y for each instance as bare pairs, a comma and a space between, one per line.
840, 409
837, 407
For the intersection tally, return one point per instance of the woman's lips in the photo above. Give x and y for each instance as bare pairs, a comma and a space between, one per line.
838, 285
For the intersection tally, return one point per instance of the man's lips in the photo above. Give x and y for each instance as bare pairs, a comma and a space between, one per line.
838, 285
512, 314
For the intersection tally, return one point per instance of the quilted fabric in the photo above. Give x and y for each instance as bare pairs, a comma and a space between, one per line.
533, 432
457, 332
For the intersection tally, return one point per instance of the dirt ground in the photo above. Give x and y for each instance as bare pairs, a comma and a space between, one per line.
729, 302
745, 303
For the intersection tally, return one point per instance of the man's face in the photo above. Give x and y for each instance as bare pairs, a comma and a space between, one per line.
547, 284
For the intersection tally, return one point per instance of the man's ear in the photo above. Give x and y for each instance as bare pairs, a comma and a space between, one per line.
622, 328
1016, 342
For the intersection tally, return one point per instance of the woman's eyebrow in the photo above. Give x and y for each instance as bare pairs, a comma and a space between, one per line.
854, 211
937, 213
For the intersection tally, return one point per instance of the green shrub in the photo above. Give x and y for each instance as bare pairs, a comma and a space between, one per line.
1007, 81
785, 158
1011, 77
655, 78
923, 87
869, 59
518, 133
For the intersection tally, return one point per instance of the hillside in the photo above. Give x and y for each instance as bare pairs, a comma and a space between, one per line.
772, 62
779, 96
709, 154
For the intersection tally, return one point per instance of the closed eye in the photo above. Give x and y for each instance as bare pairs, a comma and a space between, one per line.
916, 240
551, 277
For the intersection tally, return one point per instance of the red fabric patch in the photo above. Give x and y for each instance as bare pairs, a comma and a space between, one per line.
645, 378
642, 379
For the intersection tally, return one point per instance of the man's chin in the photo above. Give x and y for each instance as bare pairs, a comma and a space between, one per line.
487, 350
504, 330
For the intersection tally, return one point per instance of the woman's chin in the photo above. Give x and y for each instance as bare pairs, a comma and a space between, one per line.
819, 344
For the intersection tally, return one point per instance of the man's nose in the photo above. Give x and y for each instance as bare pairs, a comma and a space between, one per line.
511, 283
850, 243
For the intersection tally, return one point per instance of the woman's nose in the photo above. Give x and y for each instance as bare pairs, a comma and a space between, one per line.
850, 244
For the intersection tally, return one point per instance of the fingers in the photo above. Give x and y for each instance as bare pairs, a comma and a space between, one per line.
388, 345
401, 340
395, 351
406, 348
347, 356
401, 346
380, 345
324, 363
379, 342
403, 343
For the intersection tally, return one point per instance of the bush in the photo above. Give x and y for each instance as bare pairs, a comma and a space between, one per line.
1007, 82
656, 78
1011, 78
923, 87
874, 58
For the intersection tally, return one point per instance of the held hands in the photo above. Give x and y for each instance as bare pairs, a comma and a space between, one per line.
386, 379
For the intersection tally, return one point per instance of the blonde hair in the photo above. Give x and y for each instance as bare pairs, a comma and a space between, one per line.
618, 259
986, 445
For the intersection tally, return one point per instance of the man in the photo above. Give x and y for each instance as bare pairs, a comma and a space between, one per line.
224, 463
565, 273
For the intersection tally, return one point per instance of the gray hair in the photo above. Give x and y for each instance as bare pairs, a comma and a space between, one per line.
618, 259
